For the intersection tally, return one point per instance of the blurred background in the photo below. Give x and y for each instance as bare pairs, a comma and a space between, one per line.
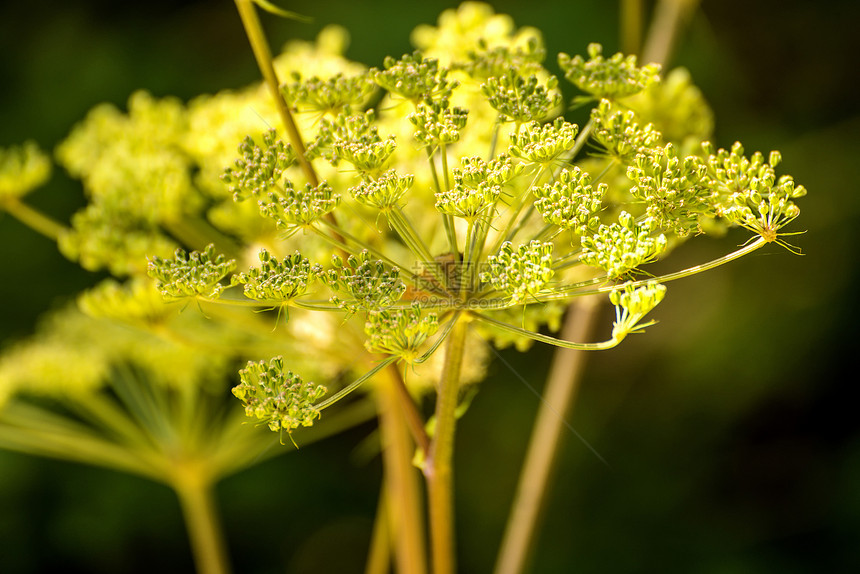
730, 436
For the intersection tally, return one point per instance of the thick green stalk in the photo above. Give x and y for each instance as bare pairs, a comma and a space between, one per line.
543, 449
438, 468
201, 518
405, 517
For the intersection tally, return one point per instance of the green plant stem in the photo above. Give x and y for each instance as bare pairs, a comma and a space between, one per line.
564, 344
516, 208
438, 469
378, 557
447, 219
631, 26
745, 250
263, 55
355, 384
195, 494
543, 448
32, 218
405, 518
254, 31
410, 237
412, 418
668, 17
196, 233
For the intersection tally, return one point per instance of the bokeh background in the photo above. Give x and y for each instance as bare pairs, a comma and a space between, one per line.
731, 438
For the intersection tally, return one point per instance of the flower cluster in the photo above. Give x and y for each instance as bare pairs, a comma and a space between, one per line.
521, 98
616, 77
276, 280
366, 282
22, 169
191, 274
632, 304
622, 246
520, 272
494, 210
571, 202
399, 332
280, 399
672, 188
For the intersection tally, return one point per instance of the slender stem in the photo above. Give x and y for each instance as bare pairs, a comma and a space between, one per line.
410, 412
667, 19
378, 557
602, 346
631, 26
33, 218
409, 236
447, 218
201, 518
260, 46
548, 431
569, 292
516, 207
405, 517
196, 233
438, 469
578, 144
37, 431
355, 384
495, 139
338, 237
257, 38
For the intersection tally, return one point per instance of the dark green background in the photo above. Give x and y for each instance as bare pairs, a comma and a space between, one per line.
730, 434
